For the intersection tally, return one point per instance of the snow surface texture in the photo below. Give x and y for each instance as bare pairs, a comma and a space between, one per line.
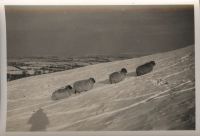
161, 100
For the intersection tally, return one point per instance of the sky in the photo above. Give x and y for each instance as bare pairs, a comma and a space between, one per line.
69, 31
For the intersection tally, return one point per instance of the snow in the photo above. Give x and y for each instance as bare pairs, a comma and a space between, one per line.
160, 100
14, 71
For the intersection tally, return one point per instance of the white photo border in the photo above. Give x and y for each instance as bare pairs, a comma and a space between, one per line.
3, 66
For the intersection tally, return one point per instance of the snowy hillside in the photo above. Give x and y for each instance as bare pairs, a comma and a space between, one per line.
161, 100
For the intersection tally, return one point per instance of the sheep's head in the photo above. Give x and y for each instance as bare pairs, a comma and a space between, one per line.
93, 80
153, 63
68, 87
123, 70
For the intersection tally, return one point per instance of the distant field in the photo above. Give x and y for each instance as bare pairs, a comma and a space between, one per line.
30, 66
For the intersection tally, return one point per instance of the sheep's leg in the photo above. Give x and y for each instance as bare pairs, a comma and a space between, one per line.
110, 81
77, 92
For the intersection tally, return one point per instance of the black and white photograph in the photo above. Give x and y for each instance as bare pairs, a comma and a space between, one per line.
100, 68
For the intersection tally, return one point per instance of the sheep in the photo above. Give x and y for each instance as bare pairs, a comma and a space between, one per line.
83, 85
118, 76
145, 68
62, 93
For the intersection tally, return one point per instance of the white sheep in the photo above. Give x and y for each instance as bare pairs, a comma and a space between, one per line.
118, 76
83, 85
62, 93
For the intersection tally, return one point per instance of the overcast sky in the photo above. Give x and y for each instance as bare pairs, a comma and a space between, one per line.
107, 30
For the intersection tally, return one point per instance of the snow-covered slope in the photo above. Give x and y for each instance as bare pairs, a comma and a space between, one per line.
161, 100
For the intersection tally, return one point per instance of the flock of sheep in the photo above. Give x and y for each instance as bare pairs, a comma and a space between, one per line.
87, 84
